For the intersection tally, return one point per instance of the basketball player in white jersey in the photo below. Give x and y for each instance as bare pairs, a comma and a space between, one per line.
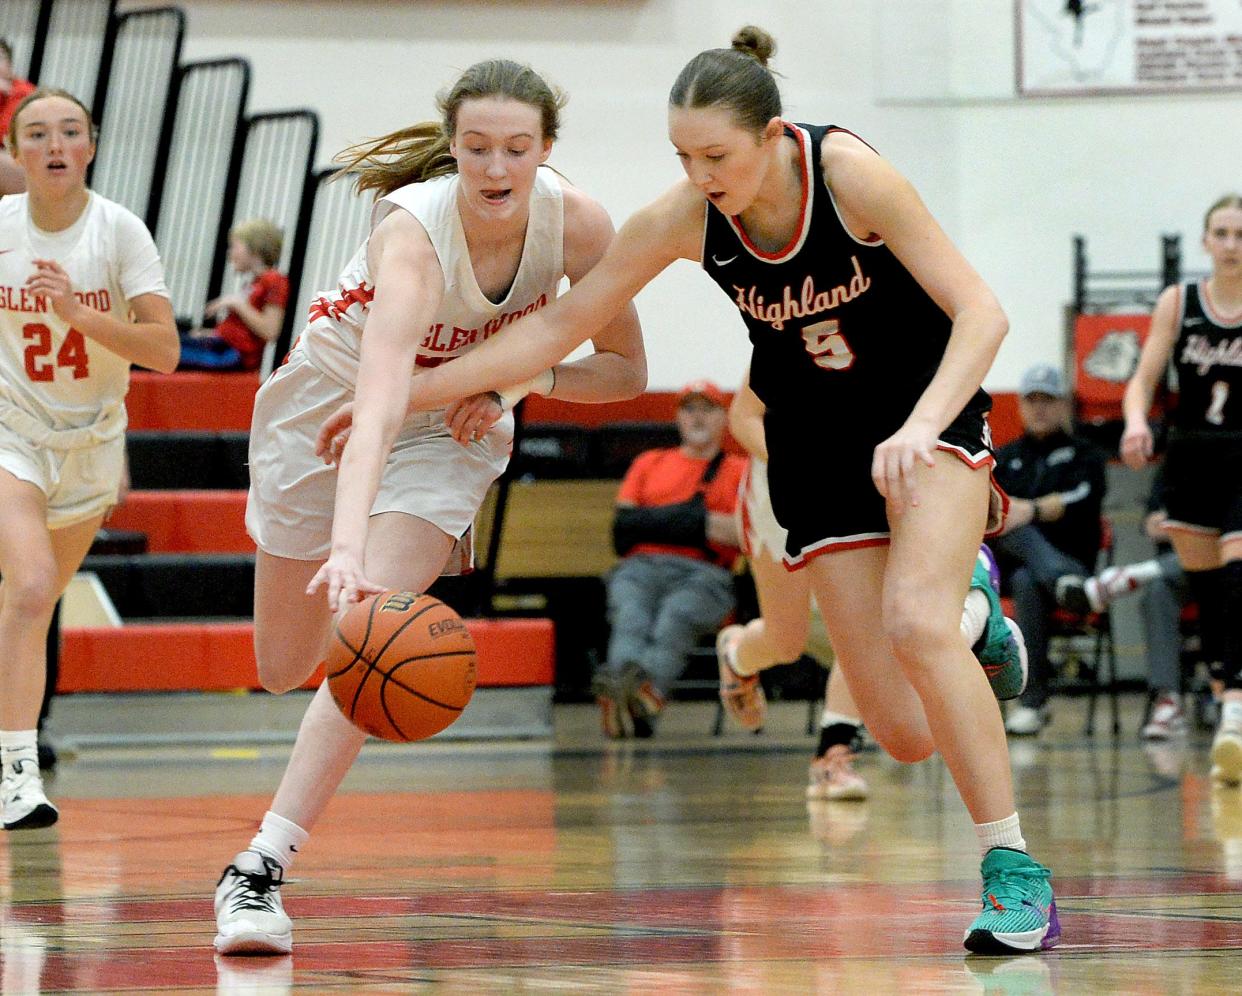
82, 297
469, 234
871, 335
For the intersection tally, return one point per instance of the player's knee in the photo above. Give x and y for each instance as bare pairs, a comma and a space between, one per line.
913, 633
906, 746
31, 593
280, 671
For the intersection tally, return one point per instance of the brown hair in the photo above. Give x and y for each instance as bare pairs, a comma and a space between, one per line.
261, 237
39, 94
737, 78
1228, 201
421, 151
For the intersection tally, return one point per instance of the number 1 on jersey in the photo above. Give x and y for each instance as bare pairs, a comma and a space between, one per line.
72, 353
1216, 410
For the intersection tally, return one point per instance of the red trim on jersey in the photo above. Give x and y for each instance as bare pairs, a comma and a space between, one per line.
803, 221
743, 509
1206, 299
810, 553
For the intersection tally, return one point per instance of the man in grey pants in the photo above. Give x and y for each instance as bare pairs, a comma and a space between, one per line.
678, 541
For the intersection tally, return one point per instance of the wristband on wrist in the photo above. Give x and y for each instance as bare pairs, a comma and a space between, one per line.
541, 384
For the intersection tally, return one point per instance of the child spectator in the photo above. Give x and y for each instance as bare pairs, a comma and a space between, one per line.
245, 322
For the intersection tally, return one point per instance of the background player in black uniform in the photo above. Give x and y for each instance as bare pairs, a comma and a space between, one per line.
871, 336
1199, 327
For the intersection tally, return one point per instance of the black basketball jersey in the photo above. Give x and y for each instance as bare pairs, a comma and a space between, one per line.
839, 326
1208, 360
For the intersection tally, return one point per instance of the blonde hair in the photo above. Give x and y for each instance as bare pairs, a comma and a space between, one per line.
421, 151
261, 237
40, 94
1228, 201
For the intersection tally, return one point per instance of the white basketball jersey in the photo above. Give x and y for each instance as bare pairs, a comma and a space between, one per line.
49, 371
332, 338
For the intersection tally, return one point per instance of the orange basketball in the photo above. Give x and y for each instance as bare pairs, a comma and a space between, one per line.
401, 665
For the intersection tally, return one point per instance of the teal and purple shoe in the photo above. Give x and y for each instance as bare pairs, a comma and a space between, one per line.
1019, 912
1000, 649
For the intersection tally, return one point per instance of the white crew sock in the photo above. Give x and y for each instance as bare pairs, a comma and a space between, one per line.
279, 839
1144, 571
974, 616
18, 745
1002, 833
829, 718
1231, 714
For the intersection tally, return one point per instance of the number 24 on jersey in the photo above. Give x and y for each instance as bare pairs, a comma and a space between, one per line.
71, 355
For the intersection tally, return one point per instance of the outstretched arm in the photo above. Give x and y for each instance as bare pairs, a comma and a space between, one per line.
659, 233
409, 285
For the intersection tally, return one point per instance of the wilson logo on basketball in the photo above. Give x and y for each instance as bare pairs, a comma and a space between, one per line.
399, 602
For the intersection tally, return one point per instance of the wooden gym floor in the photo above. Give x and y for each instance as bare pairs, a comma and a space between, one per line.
679, 865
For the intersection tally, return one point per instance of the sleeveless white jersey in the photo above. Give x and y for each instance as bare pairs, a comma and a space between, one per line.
58, 387
332, 339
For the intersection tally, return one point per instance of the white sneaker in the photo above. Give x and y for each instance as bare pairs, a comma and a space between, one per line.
1167, 720
833, 776
1227, 755
249, 916
1113, 583
25, 804
1026, 722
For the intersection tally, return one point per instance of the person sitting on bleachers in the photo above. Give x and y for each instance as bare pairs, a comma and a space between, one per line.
1055, 482
678, 541
245, 322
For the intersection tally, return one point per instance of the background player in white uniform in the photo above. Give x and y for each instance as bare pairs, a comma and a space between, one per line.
471, 234
892, 605
82, 296
1198, 328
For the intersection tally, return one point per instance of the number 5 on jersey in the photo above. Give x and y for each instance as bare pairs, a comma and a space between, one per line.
72, 353
828, 345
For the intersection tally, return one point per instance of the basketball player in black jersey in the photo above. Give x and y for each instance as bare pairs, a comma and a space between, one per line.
1198, 325
871, 335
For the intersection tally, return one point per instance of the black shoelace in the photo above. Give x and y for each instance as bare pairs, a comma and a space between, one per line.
254, 889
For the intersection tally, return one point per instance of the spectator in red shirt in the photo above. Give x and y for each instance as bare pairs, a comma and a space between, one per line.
678, 540
245, 322
12, 92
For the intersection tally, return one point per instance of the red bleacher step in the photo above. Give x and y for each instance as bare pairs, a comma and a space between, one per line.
191, 400
213, 657
187, 521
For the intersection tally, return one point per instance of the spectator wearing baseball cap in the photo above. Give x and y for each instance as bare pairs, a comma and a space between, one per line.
677, 538
1055, 482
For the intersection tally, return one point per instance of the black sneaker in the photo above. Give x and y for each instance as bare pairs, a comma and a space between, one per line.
1071, 593
47, 756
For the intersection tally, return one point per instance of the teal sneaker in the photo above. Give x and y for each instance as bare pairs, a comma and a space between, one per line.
1000, 649
1019, 913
